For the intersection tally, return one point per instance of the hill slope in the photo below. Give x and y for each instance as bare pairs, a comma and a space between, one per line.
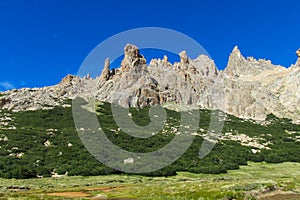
45, 143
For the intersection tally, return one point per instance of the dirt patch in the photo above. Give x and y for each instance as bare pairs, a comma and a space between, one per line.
69, 194
85, 194
106, 189
279, 195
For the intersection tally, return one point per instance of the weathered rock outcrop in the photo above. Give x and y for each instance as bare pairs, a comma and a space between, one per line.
106, 73
70, 80
189, 81
298, 61
239, 66
247, 88
257, 88
4, 101
132, 58
298, 53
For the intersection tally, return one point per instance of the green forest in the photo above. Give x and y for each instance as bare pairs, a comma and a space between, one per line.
45, 141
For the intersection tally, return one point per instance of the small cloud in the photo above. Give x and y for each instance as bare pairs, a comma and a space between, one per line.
6, 86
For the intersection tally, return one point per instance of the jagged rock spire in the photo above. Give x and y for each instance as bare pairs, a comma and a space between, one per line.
235, 63
236, 55
183, 57
166, 59
106, 73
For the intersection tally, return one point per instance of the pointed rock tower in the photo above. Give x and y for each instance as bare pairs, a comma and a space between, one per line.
106, 73
235, 63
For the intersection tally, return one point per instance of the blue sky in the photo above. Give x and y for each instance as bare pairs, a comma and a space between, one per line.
42, 41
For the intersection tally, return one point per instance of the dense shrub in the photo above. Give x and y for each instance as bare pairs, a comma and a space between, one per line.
66, 152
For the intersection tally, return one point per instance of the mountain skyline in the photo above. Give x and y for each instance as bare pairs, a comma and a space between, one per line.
248, 88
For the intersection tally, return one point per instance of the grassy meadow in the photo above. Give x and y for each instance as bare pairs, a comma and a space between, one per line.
252, 181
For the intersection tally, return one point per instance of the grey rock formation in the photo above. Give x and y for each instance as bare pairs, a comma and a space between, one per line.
247, 88
235, 66
257, 88
106, 73
298, 53
132, 58
298, 61
70, 80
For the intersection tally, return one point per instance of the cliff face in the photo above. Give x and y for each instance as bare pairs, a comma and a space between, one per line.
247, 88
257, 88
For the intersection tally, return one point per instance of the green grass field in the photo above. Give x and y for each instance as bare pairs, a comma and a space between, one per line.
249, 182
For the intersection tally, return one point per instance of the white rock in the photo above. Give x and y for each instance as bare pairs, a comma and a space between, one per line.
129, 161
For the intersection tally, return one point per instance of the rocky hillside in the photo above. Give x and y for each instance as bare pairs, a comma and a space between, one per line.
247, 88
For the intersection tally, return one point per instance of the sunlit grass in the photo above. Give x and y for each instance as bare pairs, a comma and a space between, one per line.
247, 182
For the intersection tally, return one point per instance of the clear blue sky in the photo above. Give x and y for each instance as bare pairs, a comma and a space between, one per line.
42, 41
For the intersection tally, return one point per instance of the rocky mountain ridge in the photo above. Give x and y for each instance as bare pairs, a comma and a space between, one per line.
247, 88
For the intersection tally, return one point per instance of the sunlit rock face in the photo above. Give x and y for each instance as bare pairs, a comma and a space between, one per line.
298, 61
247, 88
